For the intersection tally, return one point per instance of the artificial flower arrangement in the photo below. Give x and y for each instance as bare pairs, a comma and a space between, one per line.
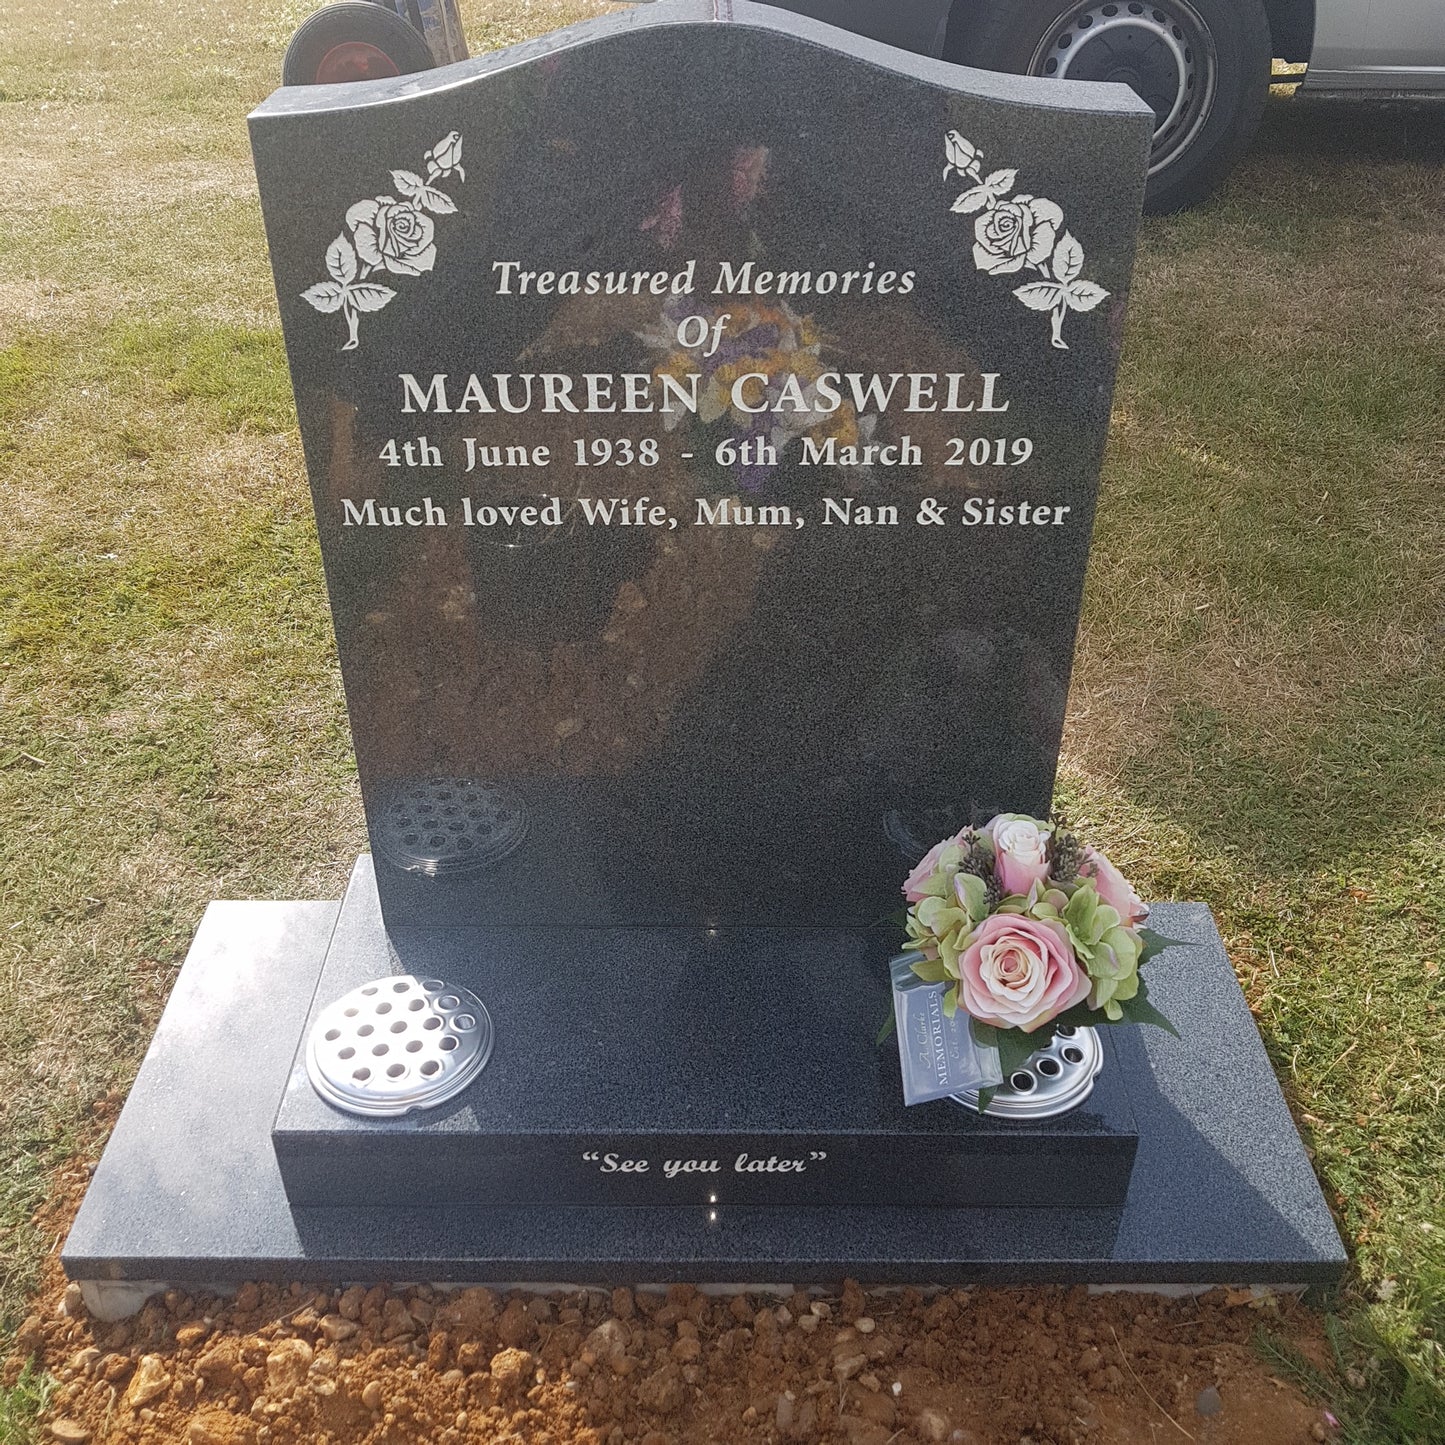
1034, 929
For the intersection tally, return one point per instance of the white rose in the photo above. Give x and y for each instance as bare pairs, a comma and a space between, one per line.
1021, 851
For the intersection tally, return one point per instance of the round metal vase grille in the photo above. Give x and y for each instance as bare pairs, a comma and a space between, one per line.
1052, 1080
448, 825
398, 1044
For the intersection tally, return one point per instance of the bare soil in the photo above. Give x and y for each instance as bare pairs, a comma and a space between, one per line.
275, 1364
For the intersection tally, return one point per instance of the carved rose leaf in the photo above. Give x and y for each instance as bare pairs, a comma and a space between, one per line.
973, 199
368, 296
1040, 295
325, 296
1068, 258
435, 200
341, 260
1085, 295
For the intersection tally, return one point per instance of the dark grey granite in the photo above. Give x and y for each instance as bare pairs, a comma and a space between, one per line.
697, 724
188, 1171
659, 1046
189, 1189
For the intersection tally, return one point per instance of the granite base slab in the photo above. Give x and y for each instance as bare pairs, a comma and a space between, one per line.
638, 1066
189, 1189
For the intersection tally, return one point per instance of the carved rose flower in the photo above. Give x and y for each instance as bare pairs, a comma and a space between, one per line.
1013, 232
445, 157
395, 235
962, 153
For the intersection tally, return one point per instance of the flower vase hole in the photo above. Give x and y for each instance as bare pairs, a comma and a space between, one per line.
1054, 1079
439, 1059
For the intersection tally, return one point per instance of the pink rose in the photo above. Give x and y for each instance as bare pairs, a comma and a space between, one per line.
1113, 888
1020, 851
1019, 973
913, 884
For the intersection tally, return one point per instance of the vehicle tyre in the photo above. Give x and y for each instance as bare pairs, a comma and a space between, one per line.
353, 40
1203, 65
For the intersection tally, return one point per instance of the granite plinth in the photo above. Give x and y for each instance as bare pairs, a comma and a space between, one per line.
189, 1188
623, 1055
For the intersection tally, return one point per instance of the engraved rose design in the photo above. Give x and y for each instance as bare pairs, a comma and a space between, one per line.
396, 235
1017, 232
388, 234
445, 157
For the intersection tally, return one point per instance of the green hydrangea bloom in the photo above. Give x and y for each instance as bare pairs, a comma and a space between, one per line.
940, 881
941, 924
1109, 952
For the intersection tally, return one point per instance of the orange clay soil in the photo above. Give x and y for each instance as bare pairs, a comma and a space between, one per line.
277, 1364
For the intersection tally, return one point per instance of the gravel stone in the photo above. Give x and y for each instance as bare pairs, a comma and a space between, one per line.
150, 1382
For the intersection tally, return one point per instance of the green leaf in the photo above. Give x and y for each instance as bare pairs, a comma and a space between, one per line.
931, 970
1081, 1016
985, 1096
889, 1024
1015, 1046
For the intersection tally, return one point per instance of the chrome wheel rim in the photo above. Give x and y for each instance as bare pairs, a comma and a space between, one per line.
1163, 52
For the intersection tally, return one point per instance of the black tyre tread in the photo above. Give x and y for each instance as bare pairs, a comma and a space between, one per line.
353, 20
1002, 34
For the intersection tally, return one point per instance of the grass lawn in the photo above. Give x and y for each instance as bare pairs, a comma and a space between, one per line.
1258, 714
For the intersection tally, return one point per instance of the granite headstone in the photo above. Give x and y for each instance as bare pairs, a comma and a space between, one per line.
704, 411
